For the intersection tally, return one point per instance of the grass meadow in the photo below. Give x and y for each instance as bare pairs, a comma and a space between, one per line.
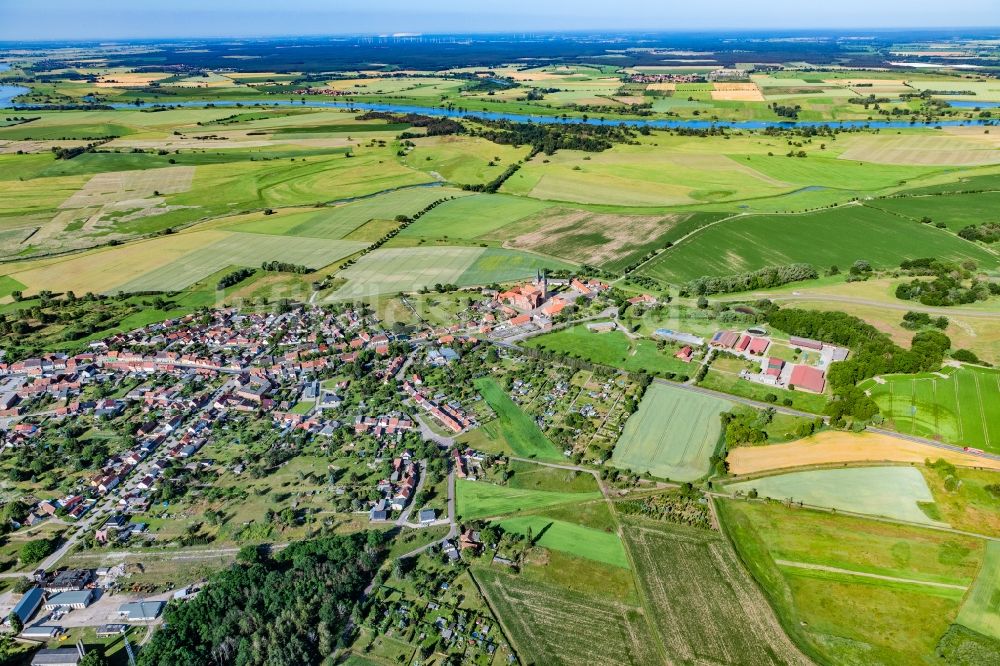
892, 492
479, 499
673, 435
981, 610
835, 616
521, 432
568, 537
613, 349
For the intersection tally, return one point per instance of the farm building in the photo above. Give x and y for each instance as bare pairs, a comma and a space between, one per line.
805, 343
77, 599
758, 346
677, 336
602, 327
64, 656
725, 339
774, 366
684, 354
28, 604
743, 343
808, 378
141, 611
42, 632
70, 580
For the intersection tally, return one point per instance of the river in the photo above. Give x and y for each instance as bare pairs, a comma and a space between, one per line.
438, 112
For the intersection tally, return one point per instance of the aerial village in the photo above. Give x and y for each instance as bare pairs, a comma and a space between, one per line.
330, 379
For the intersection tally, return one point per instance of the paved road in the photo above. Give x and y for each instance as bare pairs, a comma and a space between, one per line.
453, 532
863, 574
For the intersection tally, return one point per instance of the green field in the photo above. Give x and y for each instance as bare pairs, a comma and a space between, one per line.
339, 221
981, 610
955, 210
570, 538
550, 624
613, 349
479, 215
391, 270
701, 601
838, 237
809, 562
480, 499
673, 435
520, 431
241, 250
892, 492
958, 406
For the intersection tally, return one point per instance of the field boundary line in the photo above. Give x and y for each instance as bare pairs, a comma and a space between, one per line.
865, 574
489, 604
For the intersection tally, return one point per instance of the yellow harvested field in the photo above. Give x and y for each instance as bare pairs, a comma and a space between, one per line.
737, 92
662, 86
30, 146
129, 79
104, 270
831, 447
630, 99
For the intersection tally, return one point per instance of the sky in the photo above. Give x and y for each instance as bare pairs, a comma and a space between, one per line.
123, 19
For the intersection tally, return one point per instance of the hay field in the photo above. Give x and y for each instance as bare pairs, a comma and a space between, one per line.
589, 238
672, 435
237, 249
921, 149
835, 447
462, 159
701, 601
892, 492
837, 236
959, 406
894, 618
981, 610
550, 624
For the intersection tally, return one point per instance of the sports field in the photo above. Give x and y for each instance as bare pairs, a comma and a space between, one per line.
391, 270
893, 492
701, 601
838, 237
835, 447
577, 540
852, 590
959, 406
550, 624
520, 431
981, 610
673, 435
480, 499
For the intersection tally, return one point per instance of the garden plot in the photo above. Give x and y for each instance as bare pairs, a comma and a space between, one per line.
892, 492
549, 624
673, 435
702, 602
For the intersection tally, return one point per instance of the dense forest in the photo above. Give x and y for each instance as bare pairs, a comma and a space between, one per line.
286, 609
